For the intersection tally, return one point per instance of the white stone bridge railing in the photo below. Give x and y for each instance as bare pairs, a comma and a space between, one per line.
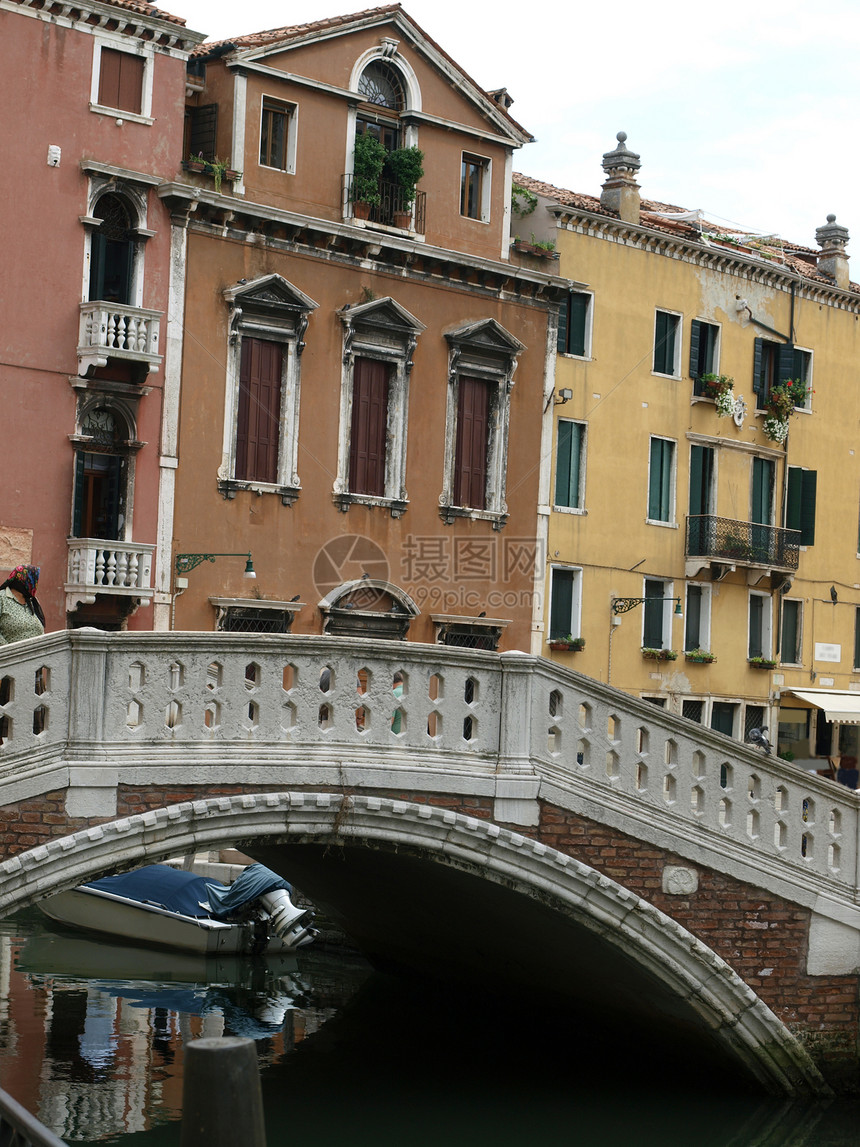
83, 709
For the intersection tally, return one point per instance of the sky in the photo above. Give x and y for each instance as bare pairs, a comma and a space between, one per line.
745, 110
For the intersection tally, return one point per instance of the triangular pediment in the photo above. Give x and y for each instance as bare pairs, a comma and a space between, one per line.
269, 292
486, 335
384, 314
287, 49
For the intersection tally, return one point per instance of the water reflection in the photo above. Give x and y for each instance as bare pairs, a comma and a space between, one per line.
92, 1040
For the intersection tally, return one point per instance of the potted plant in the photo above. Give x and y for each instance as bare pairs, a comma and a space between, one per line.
699, 656
368, 161
542, 248
762, 663
405, 167
569, 643
196, 162
719, 387
659, 654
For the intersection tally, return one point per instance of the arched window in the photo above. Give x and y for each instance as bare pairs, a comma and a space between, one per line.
382, 84
101, 475
112, 251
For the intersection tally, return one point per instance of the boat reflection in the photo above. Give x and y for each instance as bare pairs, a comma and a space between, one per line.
92, 1034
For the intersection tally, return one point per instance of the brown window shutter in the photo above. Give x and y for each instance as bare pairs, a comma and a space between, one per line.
121, 81
369, 427
470, 462
258, 421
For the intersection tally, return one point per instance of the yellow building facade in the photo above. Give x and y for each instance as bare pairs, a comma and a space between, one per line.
701, 537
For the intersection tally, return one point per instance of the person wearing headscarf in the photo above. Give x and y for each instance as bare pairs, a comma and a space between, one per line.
21, 615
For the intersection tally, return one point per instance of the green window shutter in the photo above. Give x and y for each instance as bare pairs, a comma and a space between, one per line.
695, 333
664, 343
756, 619
790, 631
652, 629
785, 364
807, 507
563, 325
78, 507
793, 498
578, 323
660, 480
857, 637
561, 610
567, 470
693, 623
762, 491
758, 362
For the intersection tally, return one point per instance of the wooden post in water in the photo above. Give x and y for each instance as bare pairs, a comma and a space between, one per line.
222, 1103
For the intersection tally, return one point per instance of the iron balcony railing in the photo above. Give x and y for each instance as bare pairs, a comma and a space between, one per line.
742, 543
392, 210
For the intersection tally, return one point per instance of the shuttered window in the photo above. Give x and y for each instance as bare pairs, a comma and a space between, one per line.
789, 645
660, 478
563, 604
703, 349
258, 422
470, 462
202, 125
693, 622
573, 320
654, 614
800, 503
121, 80
773, 363
369, 426
665, 342
568, 466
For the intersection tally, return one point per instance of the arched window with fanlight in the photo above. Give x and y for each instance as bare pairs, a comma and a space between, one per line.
383, 99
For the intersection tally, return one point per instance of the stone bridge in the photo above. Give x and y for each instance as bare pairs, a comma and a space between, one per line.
501, 818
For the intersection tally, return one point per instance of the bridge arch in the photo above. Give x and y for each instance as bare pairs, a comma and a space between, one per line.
624, 926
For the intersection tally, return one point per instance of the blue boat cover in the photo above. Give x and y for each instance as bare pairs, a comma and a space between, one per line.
180, 891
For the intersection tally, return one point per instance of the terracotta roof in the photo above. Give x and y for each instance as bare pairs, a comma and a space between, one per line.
146, 10
297, 31
800, 260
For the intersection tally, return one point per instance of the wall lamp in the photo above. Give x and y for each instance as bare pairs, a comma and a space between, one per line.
187, 562
625, 604
564, 396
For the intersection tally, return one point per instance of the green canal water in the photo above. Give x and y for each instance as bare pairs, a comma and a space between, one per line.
92, 1038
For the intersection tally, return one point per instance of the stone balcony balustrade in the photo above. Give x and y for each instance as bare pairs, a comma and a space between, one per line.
115, 331
108, 567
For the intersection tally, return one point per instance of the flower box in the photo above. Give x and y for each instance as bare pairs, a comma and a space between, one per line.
761, 663
659, 654
700, 657
568, 644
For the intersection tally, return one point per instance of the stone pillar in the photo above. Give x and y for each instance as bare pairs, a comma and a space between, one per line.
620, 192
833, 260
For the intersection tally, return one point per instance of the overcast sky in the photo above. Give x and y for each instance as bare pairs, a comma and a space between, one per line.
745, 108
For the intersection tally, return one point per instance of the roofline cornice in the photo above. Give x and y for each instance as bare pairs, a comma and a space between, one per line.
164, 33
189, 205
730, 262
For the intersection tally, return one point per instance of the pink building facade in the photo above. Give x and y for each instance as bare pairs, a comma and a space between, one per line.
97, 94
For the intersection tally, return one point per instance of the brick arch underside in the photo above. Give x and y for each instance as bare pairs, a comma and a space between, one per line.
621, 926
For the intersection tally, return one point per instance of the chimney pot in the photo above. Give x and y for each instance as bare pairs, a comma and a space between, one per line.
620, 192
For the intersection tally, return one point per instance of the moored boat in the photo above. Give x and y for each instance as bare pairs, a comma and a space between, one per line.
170, 908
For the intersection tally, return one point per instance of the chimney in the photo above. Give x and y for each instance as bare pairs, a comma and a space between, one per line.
620, 192
833, 260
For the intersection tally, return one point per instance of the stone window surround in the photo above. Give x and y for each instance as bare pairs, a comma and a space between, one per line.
272, 309
121, 44
385, 331
484, 350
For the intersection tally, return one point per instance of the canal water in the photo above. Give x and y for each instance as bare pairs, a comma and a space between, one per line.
92, 1038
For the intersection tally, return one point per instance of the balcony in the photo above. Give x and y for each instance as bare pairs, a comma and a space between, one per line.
728, 544
391, 211
116, 331
107, 567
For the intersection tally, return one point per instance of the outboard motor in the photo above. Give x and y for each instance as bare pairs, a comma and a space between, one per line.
289, 923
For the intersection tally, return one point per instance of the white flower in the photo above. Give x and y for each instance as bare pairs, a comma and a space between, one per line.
776, 429
725, 403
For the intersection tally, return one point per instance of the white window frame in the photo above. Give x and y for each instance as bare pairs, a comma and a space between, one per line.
266, 324
807, 405
291, 143
384, 331
486, 165
122, 44
583, 454
766, 624
671, 521
137, 198
704, 617
575, 619
679, 340
718, 344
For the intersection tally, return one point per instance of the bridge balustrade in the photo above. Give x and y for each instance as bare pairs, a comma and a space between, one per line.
184, 700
